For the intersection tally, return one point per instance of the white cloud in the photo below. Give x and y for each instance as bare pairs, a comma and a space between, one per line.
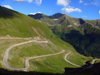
38, 2
7, 6
19, 0
23, 1
85, 3
34, 13
94, 3
99, 11
80, 1
63, 2
29, 1
69, 10
84, 16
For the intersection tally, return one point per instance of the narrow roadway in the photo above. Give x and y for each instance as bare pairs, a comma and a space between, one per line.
93, 61
69, 61
6, 55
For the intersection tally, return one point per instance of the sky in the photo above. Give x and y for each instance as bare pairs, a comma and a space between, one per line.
86, 9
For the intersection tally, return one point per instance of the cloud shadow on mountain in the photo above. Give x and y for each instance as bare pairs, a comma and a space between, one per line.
95, 70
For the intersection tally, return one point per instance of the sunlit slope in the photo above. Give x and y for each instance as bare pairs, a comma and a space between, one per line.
17, 25
82, 34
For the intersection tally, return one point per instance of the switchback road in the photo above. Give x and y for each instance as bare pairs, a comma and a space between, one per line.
93, 61
6, 55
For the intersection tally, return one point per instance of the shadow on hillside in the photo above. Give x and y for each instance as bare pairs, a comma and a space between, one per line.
6, 72
5, 13
56, 16
8, 13
87, 44
37, 16
95, 70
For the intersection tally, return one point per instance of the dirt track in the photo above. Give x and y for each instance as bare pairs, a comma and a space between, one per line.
6, 55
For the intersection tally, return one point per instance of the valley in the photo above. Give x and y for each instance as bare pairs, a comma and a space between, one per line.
82, 34
8, 60
30, 46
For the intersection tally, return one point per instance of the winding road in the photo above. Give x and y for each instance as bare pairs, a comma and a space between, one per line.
69, 61
93, 61
6, 55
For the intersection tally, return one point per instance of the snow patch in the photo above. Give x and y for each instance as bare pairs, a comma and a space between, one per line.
35, 13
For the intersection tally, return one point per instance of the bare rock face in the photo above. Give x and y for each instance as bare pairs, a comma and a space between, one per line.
81, 21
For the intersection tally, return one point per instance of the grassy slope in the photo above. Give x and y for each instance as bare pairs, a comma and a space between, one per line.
19, 25
54, 64
82, 34
94, 22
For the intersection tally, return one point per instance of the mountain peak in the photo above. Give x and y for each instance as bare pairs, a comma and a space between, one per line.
35, 13
4, 12
81, 21
57, 15
37, 16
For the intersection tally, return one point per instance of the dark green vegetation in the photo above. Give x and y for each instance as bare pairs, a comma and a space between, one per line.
94, 22
84, 35
68, 71
17, 25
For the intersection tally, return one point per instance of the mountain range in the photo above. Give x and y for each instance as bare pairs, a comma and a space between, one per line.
82, 34
29, 47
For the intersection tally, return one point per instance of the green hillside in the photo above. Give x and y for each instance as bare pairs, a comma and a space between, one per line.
17, 28
95, 23
82, 34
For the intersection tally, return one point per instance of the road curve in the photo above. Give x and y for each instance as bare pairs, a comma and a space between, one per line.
92, 63
69, 61
6, 55
78, 65
27, 60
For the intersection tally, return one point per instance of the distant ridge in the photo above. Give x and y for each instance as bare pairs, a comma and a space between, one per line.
82, 34
22, 37
56, 16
